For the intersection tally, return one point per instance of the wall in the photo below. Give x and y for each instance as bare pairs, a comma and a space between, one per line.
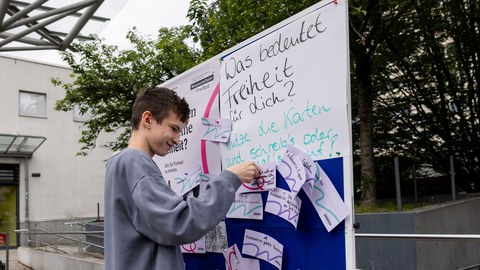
39, 259
70, 186
455, 218
459, 217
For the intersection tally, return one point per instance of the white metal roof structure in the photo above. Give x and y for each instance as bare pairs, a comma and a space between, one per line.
19, 145
52, 24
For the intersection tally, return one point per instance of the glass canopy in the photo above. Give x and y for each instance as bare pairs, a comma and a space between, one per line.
19, 145
52, 24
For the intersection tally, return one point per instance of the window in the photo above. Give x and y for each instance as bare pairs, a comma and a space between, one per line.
33, 104
9, 173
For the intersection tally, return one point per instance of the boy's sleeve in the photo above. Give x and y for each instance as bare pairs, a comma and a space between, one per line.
164, 217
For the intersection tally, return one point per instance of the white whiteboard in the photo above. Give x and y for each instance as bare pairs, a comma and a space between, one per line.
289, 87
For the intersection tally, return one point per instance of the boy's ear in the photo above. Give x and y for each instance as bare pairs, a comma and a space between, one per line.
147, 119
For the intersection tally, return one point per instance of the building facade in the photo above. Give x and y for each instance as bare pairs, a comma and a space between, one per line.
43, 183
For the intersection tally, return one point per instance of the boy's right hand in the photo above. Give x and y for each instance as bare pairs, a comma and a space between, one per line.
246, 171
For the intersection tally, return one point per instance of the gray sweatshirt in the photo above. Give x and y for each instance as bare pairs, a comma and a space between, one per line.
146, 221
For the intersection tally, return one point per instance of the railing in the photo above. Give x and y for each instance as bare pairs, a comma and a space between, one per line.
59, 237
83, 244
474, 237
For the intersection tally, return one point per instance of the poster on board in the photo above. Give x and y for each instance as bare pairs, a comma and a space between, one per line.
193, 157
285, 88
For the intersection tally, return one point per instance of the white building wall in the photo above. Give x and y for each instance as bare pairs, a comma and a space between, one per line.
70, 186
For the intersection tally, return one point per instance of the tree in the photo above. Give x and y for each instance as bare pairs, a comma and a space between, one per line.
106, 79
431, 105
221, 24
371, 23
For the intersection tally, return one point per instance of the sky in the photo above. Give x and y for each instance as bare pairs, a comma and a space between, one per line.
147, 15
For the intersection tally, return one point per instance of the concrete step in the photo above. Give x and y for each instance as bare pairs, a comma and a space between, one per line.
39, 259
13, 263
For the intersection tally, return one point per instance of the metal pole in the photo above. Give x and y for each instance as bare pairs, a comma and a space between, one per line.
414, 176
397, 185
27, 195
452, 177
7, 246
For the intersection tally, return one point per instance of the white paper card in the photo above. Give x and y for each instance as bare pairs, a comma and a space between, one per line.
246, 264
233, 258
292, 170
263, 247
216, 129
247, 206
284, 204
195, 247
327, 202
188, 180
216, 239
311, 172
204, 179
266, 181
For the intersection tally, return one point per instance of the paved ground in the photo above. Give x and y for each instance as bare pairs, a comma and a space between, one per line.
12, 258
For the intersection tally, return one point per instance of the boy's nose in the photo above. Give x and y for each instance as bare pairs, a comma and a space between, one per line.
176, 139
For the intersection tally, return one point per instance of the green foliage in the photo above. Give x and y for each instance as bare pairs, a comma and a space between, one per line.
219, 25
385, 207
106, 79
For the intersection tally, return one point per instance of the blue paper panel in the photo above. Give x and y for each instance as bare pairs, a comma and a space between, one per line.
308, 247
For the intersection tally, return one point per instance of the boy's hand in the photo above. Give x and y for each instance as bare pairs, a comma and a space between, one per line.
246, 171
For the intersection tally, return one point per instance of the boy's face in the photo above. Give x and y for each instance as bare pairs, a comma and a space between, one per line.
163, 136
